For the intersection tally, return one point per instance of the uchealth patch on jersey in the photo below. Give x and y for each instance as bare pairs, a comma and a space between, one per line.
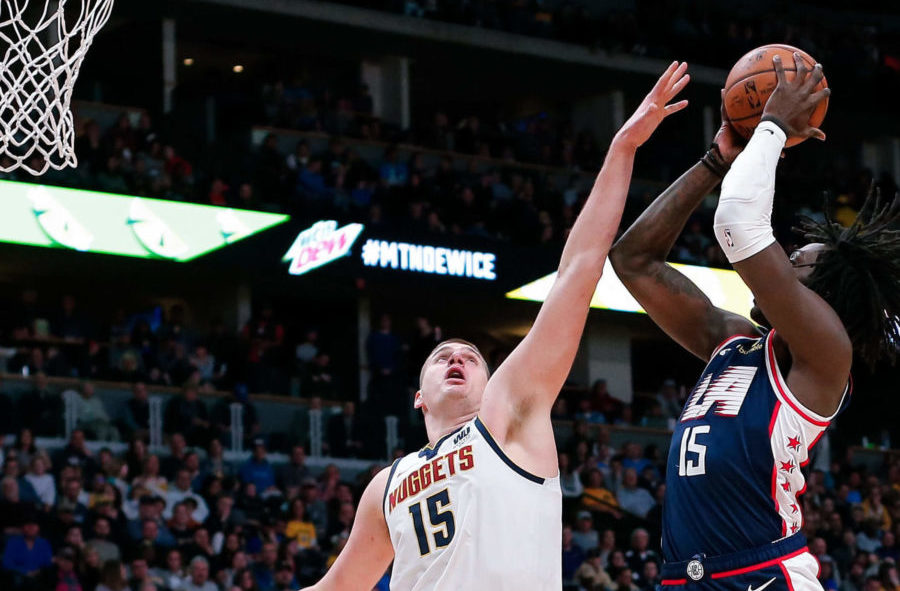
695, 570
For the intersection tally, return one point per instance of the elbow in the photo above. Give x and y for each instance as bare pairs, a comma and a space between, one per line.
628, 264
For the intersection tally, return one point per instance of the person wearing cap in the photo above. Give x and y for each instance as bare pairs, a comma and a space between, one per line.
258, 470
26, 555
284, 577
65, 578
584, 533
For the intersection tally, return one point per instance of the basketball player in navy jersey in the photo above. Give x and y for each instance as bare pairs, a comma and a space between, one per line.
480, 507
732, 518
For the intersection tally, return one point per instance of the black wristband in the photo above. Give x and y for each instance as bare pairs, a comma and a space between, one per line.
777, 122
713, 161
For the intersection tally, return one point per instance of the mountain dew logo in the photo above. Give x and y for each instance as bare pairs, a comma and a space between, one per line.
320, 244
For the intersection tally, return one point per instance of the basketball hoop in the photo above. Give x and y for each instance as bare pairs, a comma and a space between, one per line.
43, 43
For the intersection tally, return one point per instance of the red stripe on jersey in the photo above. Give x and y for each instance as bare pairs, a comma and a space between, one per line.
747, 569
773, 365
787, 576
673, 582
775, 468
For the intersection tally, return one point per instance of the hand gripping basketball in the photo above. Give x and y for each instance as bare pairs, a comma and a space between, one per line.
792, 102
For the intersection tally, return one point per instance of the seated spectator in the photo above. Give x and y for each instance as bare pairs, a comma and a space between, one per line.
572, 557
597, 497
178, 451
292, 474
258, 471
640, 553
221, 415
604, 402
150, 480
215, 464
186, 414
584, 535
393, 172
180, 491
200, 545
631, 497
41, 409
92, 415
150, 510
182, 525
590, 575
299, 527
141, 576
284, 577
101, 542
345, 433
26, 555
40, 481
74, 499
64, 576
264, 568
198, 577
24, 448
136, 417
172, 573
76, 453
113, 577
316, 508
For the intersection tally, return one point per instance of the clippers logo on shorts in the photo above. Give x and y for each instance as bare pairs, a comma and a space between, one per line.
726, 392
695, 570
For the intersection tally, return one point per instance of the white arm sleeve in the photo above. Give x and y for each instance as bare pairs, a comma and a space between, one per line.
743, 222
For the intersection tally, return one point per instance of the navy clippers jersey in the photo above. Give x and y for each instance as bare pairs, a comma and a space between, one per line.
733, 473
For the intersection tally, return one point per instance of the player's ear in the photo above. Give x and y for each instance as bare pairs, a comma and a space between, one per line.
418, 402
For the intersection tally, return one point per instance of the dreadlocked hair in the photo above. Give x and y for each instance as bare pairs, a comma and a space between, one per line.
858, 274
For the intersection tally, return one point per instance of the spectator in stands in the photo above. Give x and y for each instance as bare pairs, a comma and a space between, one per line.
136, 416
640, 552
182, 525
42, 482
150, 480
669, 399
113, 577
299, 527
215, 465
292, 474
177, 455
221, 415
264, 569
259, 471
24, 448
73, 499
226, 517
101, 541
186, 414
26, 555
198, 579
263, 338
393, 172
590, 575
92, 415
345, 433
319, 379
316, 508
597, 497
141, 576
584, 533
572, 556
284, 576
605, 403
631, 497
383, 351
64, 577
181, 491
172, 574
41, 408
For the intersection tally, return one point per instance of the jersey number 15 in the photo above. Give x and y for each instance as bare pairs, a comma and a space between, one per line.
688, 466
441, 517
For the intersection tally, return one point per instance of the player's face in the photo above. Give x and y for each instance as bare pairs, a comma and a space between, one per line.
454, 372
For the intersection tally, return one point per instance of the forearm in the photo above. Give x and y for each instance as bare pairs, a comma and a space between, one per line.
595, 228
653, 234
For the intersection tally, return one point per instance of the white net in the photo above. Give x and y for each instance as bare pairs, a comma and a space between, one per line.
43, 43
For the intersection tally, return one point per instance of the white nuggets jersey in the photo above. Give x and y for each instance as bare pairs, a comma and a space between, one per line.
462, 515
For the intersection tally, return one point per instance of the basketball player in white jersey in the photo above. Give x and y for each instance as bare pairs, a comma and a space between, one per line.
480, 507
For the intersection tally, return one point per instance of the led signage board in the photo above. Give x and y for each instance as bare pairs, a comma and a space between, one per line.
725, 289
89, 221
435, 260
320, 244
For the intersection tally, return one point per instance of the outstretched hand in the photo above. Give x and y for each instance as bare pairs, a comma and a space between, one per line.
794, 101
655, 107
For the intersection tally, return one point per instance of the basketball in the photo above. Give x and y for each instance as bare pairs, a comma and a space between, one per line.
752, 81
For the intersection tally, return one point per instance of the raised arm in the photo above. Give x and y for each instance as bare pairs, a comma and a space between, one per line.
674, 303
368, 552
528, 382
820, 350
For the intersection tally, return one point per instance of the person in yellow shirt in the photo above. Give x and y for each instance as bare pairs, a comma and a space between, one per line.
299, 528
597, 497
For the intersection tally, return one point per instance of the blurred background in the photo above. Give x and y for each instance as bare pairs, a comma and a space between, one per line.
193, 396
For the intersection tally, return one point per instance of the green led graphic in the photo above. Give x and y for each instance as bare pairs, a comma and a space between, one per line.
89, 221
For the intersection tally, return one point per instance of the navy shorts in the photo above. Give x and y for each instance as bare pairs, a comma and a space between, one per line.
786, 565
